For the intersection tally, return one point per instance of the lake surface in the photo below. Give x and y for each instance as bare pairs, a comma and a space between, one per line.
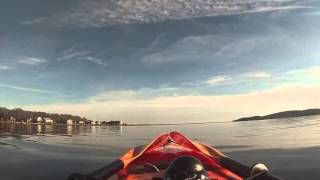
290, 147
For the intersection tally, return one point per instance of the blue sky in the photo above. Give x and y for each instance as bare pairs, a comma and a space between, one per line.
58, 55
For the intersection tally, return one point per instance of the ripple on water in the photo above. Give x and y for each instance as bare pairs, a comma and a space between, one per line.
4, 144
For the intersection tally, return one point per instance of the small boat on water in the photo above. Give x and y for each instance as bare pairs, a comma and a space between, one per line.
173, 156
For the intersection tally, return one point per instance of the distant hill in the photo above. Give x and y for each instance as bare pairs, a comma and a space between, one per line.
285, 114
22, 115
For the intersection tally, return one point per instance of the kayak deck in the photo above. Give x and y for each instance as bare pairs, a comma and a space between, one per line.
151, 161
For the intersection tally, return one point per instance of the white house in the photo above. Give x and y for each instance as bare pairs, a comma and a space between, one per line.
39, 119
81, 122
48, 120
29, 120
70, 122
95, 123
12, 119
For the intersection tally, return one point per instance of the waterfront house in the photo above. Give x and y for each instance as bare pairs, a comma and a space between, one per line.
29, 120
70, 122
12, 119
81, 123
95, 123
39, 120
48, 120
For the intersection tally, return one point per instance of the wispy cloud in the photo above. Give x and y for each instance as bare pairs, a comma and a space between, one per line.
96, 61
33, 21
115, 96
32, 61
217, 80
73, 53
212, 48
25, 89
264, 80
5, 67
231, 80
311, 73
259, 74
143, 93
77, 53
103, 13
189, 49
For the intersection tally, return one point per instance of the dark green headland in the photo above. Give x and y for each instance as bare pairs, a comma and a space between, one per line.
284, 114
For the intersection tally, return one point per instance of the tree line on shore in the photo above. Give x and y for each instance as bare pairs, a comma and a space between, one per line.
20, 115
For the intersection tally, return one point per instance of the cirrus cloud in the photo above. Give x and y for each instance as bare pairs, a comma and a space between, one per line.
32, 61
28, 89
5, 67
217, 80
99, 13
259, 74
76, 52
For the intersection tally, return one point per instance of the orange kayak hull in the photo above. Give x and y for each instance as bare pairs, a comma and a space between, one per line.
163, 150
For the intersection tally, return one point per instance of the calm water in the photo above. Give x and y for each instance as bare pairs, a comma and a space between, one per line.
290, 147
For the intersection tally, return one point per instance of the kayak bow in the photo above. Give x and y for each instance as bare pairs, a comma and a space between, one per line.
151, 161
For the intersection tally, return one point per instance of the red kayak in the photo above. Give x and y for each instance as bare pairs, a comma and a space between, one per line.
152, 161
164, 150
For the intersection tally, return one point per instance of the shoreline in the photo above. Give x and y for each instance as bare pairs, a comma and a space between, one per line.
158, 124
52, 124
